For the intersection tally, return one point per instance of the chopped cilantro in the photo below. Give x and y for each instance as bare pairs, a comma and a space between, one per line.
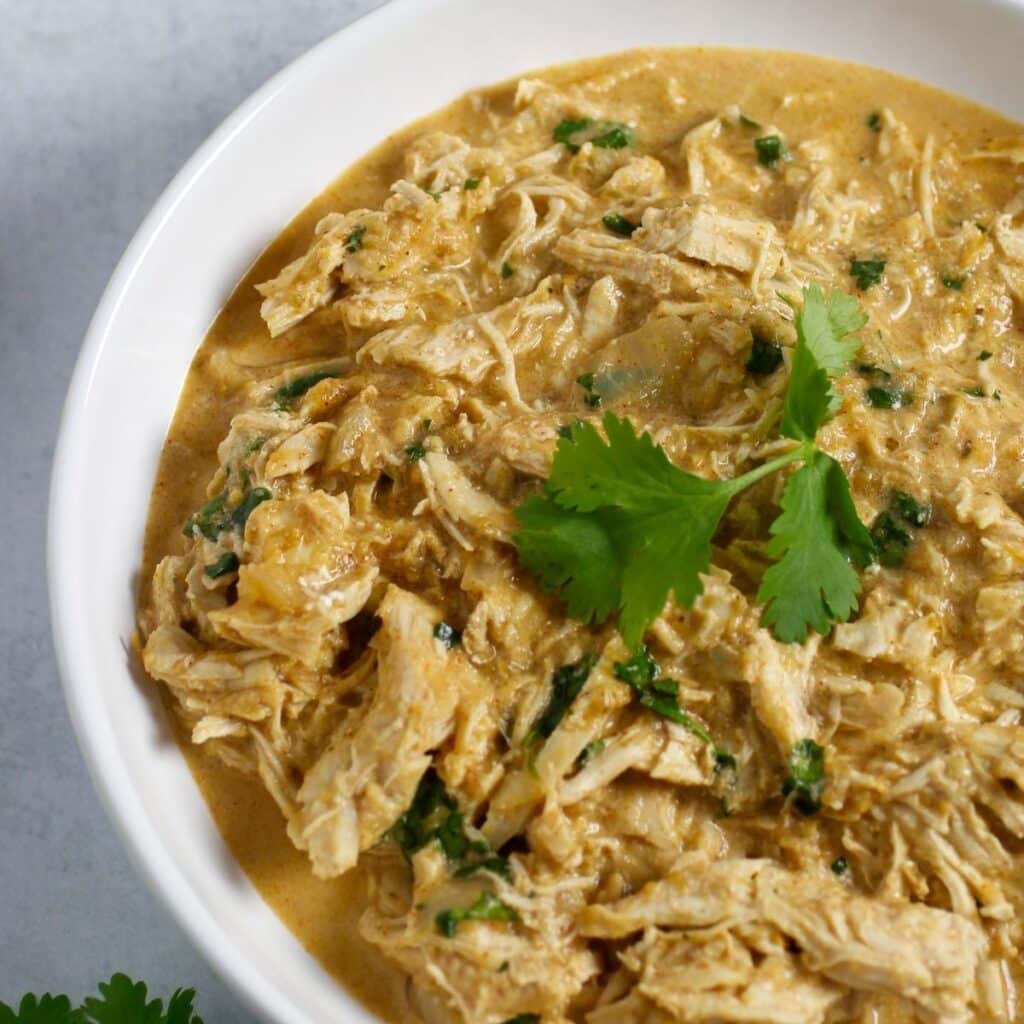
839, 866
974, 392
566, 684
765, 356
592, 397
287, 393
507, 270
211, 519
770, 150
888, 397
524, 1018
227, 563
619, 225
415, 452
867, 273
354, 242
984, 355
872, 370
241, 514
661, 695
806, 779
604, 134
891, 529
470, 184
874, 121
448, 635
591, 750
487, 907
953, 282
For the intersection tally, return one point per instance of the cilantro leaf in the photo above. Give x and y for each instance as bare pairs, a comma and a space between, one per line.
46, 1009
823, 351
818, 533
573, 554
125, 1002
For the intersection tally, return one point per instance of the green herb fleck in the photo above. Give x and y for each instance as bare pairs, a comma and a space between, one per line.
415, 452
888, 397
974, 392
287, 393
227, 563
770, 150
211, 519
524, 1018
592, 749
507, 270
661, 695
867, 273
952, 282
765, 356
354, 242
254, 445
874, 121
891, 528
255, 497
619, 225
984, 356
566, 684
839, 866
470, 184
592, 397
604, 134
872, 370
488, 907
448, 635
806, 779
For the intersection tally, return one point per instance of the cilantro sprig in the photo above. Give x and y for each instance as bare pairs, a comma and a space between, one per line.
120, 1001
618, 527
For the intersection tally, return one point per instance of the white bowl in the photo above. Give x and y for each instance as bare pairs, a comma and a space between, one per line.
276, 152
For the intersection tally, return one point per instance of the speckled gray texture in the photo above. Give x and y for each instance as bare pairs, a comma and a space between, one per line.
101, 103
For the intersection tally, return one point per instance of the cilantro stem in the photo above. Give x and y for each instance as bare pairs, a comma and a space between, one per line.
741, 483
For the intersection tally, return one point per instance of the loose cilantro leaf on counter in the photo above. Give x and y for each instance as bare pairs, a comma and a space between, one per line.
46, 1009
618, 526
565, 688
867, 273
619, 225
487, 907
121, 1001
815, 539
770, 150
806, 779
287, 393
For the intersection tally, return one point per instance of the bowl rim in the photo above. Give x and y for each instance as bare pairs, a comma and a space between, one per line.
150, 858
94, 733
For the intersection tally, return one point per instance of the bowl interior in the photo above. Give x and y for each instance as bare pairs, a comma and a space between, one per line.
273, 155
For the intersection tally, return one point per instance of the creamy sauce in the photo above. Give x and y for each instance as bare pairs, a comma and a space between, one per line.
812, 93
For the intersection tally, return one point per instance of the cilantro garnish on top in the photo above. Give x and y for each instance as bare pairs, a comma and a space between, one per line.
618, 527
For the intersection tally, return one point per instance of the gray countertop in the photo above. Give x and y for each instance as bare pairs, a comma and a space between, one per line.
103, 101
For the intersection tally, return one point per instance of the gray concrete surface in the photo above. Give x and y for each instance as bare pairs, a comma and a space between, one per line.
102, 101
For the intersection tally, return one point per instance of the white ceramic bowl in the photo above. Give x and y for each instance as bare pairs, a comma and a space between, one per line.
276, 152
